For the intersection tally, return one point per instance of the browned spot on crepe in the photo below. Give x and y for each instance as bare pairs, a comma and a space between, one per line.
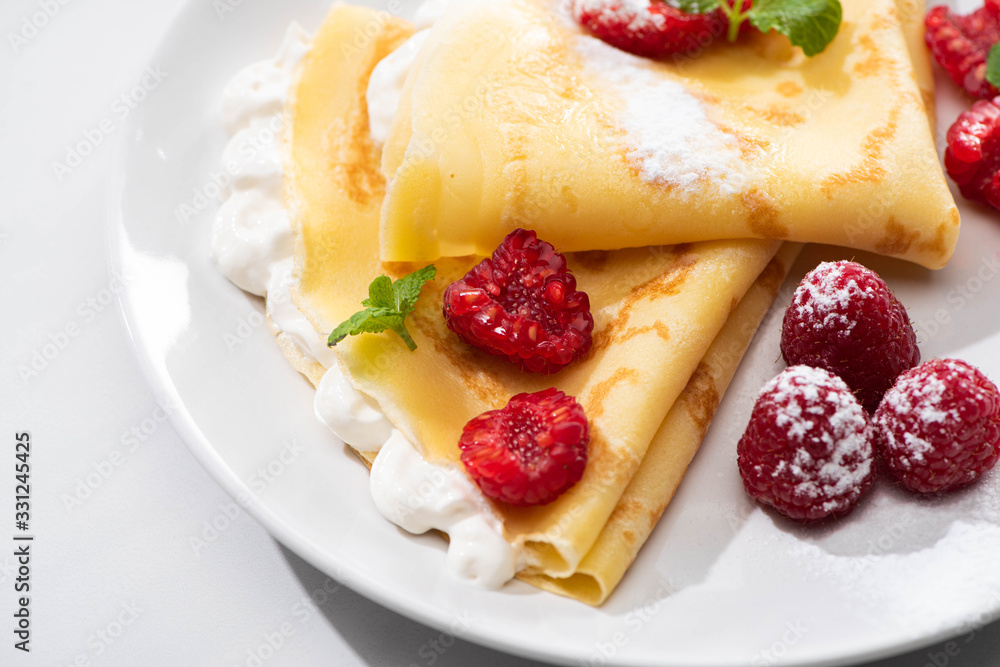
594, 402
762, 215
703, 397
789, 88
896, 240
592, 260
875, 63
772, 276
666, 284
627, 509
778, 116
870, 169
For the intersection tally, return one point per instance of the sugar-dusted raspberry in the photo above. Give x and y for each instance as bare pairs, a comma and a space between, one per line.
530, 451
522, 304
938, 428
844, 318
960, 44
807, 450
973, 154
650, 28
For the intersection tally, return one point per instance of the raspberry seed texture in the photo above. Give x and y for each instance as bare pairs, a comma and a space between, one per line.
807, 450
843, 318
522, 304
938, 428
530, 451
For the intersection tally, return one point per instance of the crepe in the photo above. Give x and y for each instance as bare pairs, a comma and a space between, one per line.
514, 114
657, 311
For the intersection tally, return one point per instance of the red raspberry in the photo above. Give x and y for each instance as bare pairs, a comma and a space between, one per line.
973, 154
807, 450
530, 451
650, 28
843, 318
939, 426
960, 44
522, 304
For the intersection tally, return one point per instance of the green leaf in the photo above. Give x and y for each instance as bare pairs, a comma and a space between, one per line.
386, 307
407, 288
694, 6
380, 293
809, 24
993, 66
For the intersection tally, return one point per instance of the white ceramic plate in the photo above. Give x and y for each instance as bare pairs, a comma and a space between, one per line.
720, 581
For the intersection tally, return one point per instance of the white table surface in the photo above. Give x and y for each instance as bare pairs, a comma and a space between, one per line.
117, 499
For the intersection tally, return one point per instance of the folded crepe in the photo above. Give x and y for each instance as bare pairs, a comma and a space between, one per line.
515, 115
671, 324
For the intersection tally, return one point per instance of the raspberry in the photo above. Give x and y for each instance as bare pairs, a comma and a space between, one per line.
522, 304
938, 428
961, 44
650, 28
843, 318
807, 450
530, 451
973, 154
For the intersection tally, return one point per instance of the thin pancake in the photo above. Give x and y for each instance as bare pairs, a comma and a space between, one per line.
513, 113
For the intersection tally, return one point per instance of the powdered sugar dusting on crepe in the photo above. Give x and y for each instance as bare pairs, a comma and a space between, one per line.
669, 137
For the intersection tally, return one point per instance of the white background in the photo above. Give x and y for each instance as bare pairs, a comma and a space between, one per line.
116, 578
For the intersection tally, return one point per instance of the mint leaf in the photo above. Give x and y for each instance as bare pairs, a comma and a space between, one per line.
810, 24
993, 66
386, 307
694, 6
380, 293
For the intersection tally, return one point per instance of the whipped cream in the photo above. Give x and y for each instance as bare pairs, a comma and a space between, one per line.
419, 496
252, 230
252, 243
353, 417
287, 317
385, 87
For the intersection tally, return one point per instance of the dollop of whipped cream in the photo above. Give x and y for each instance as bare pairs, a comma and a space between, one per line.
385, 87
419, 496
252, 243
353, 417
252, 231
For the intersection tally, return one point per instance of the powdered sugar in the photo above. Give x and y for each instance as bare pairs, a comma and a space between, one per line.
636, 12
828, 293
668, 137
848, 459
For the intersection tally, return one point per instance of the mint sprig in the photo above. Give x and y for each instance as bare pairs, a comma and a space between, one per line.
809, 24
386, 307
993, 66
